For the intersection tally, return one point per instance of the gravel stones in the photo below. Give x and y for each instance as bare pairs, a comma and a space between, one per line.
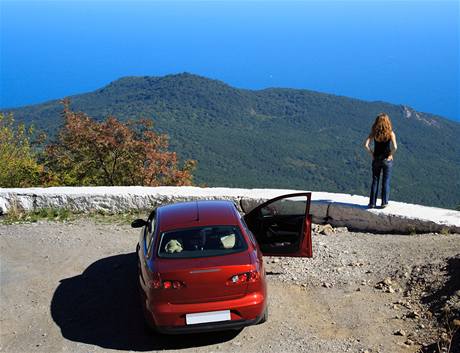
327, 229
314, 304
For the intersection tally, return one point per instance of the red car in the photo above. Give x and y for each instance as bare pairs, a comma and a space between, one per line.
201, 265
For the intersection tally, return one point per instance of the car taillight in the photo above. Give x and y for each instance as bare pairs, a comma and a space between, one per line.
254, 276
157, 283
245, 277
173, 285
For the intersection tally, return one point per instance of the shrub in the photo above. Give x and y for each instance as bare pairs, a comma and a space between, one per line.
111, 152
19, 166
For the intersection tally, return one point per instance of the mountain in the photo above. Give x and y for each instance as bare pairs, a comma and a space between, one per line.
278, 137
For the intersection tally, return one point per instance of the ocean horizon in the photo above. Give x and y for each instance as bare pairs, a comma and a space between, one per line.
398, 52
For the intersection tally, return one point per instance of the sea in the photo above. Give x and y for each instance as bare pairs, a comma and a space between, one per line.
402, 52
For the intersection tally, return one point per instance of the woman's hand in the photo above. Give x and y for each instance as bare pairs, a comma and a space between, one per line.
390, 158
366, 146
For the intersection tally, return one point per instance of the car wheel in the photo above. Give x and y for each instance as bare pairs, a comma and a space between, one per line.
149, 327
148, 324
264, 316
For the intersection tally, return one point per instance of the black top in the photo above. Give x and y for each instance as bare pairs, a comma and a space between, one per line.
382, 149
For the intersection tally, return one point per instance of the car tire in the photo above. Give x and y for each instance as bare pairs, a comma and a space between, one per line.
264, 316
149, 328
148, 324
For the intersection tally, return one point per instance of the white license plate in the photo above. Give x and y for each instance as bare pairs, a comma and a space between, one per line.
210, 316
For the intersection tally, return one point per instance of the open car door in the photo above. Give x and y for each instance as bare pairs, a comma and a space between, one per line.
282, 226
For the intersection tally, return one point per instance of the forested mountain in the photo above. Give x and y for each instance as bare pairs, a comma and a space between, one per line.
277, 137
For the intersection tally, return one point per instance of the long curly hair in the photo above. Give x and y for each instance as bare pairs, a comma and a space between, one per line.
382, 128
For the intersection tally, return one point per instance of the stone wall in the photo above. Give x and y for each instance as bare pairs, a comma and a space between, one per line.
335, 209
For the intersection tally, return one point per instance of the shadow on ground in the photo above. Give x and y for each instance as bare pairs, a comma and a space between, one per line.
438, 300
101, 307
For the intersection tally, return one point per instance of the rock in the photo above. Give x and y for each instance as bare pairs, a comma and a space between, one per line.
387, 281
326, 229
445, 337
390, 289
412, 315
446, 309
400, 332
409, 342
326, 285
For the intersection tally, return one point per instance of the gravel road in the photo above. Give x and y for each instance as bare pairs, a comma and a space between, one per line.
71, 287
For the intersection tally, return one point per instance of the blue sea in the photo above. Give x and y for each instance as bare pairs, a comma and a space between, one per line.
403, 52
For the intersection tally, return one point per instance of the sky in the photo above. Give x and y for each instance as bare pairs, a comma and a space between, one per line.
402, 52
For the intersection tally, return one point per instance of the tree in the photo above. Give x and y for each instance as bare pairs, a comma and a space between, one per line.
111, 152
18, 163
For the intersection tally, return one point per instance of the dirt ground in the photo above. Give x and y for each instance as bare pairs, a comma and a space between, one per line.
71, 287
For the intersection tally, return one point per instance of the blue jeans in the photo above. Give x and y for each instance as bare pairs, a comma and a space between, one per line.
380, 166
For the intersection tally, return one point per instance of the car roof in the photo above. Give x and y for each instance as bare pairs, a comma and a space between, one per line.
196, 213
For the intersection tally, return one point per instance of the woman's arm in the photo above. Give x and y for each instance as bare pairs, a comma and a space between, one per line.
366, 145
394, 145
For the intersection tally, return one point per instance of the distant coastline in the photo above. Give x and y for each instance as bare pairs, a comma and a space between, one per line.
278, 137
11, 108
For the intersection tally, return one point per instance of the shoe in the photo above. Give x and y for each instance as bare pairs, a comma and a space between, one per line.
384, 205
370, 206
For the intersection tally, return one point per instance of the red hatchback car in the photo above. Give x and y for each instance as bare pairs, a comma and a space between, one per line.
200, 263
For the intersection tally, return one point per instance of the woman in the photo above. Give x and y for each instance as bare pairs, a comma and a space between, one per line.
382, 157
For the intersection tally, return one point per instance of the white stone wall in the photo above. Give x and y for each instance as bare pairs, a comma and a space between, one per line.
336, 209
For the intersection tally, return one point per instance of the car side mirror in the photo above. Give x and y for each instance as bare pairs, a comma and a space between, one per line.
138, 223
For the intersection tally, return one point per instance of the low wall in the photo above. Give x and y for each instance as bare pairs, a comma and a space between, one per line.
332, 208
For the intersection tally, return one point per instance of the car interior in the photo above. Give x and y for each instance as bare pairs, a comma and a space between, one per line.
279, 226
200, 242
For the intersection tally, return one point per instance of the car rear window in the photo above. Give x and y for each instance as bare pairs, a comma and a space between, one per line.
201, 242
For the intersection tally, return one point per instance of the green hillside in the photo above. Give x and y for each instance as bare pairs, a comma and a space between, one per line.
280, 138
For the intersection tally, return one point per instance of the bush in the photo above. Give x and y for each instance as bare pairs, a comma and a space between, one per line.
19, 166
112, 153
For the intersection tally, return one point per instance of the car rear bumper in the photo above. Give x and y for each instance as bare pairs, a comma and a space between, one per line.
170, 318
214, 326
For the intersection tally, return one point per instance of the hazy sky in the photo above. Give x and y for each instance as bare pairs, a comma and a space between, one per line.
400, 52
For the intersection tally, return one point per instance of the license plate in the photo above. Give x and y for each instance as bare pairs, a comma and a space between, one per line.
210, 316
